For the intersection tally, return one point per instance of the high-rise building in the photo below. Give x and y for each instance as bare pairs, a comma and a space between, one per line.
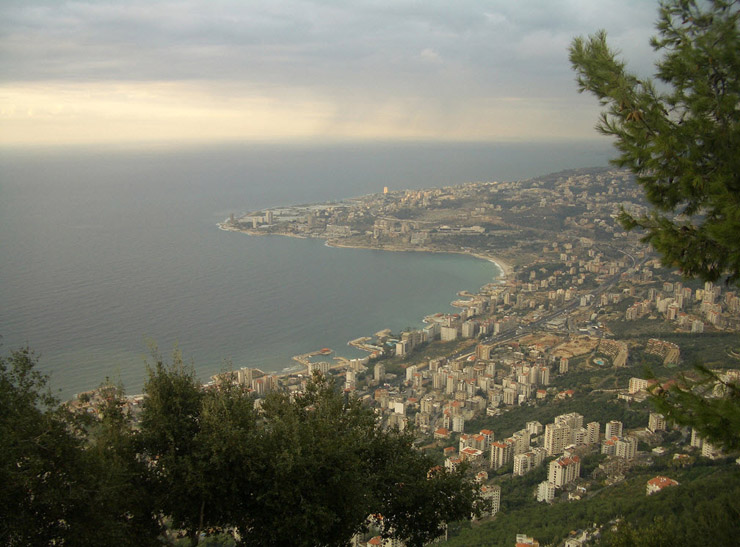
510, 396
696, 440
594, 432
544, 376
564, 470
483, 351
524, 463
545, 492
410, 371
469, 329
613, 429
519, 441
492, 494
557, 437
573, 419
609, 446
487, 435
708, 450
534, 428
244, 376
501, 454
626, 448
656, 422
379, 372
350, 379
637, 384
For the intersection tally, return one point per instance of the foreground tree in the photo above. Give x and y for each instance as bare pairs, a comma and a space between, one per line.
114, 449
327, 465
681, 139
61, 482
304, 470
170, 424
681, 136
709, 402
313, 469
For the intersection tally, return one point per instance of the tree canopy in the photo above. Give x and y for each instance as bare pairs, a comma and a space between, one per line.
679, 135
710, 403
59, 484
312, 468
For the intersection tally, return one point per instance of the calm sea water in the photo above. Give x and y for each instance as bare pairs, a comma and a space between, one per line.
103, 252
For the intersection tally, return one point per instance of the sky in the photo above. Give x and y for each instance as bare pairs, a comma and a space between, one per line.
142, 71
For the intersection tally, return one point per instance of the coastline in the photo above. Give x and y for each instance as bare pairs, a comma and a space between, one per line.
504, 267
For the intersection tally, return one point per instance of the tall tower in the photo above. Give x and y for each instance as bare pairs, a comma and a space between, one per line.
379, 372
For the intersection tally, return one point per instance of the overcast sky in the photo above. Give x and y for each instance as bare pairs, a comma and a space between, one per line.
186, 70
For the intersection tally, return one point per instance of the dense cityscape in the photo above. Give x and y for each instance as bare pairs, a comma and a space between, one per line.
545, 372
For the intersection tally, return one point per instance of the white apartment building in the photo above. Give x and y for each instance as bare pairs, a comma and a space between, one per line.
557, 437
534, 428
656, 422
546, 491
613, 429
501, 454
492, 494
524, 463
520, 441
637, 384
564, 470
626, 448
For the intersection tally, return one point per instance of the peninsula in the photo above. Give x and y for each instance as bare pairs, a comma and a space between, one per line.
506, 222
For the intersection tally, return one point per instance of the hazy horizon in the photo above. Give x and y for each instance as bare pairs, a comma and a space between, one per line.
146, 72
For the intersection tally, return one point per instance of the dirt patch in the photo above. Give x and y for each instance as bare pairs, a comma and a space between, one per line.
544, 341
576, 346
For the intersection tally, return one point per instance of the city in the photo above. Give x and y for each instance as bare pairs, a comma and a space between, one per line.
576, 322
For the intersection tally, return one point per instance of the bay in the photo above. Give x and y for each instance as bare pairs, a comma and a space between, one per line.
103, 251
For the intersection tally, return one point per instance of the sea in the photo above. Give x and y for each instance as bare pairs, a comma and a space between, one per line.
112, 256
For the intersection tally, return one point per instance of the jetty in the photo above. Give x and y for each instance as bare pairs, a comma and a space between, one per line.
305, 358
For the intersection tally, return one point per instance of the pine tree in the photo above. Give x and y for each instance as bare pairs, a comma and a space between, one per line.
680, 136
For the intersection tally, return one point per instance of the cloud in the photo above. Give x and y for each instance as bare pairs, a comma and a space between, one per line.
361, 67
430, 56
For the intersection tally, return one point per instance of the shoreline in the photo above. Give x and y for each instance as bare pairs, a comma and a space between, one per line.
504, 267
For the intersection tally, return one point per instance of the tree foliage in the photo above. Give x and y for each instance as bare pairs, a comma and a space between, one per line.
66, 479
680, 136
170, 423
310, 469
681, 139
709, 403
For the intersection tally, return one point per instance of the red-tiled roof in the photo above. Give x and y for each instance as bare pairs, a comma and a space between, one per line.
661, 482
